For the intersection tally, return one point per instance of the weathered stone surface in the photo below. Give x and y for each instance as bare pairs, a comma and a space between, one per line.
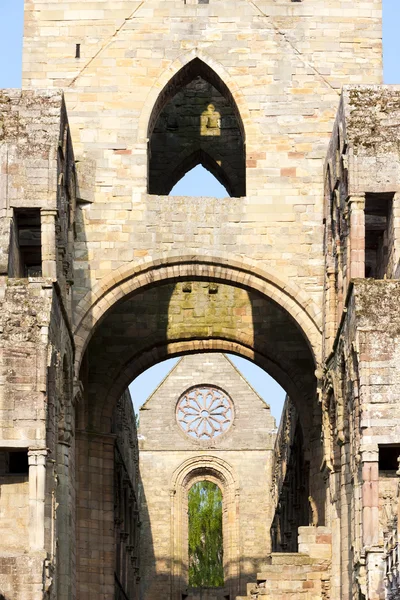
100, 279
238, 460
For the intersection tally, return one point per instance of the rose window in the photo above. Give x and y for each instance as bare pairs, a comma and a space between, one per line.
204, 412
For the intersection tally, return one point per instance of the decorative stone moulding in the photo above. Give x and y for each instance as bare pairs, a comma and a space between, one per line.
204, 412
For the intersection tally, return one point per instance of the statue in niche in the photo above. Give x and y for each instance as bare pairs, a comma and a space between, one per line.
210, 121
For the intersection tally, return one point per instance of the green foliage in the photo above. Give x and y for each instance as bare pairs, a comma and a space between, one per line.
205, 535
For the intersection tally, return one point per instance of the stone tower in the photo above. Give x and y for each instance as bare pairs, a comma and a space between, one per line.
103, 274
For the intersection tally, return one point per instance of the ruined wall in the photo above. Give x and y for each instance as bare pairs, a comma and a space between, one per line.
107, 508
305, 576
126, 499
362, 179
284, 75
294, 507
34, 338
360, 387
238, 460
38, 184
36, 347
363, 371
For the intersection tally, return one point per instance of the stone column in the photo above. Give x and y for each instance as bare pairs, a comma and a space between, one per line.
370, 497
49, 256
356, 243
330, 308
37, 489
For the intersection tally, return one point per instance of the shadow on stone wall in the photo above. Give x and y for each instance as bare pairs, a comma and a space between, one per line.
173, 317
149, 578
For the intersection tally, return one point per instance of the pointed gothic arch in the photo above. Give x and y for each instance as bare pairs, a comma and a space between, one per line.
195, 120
188, 161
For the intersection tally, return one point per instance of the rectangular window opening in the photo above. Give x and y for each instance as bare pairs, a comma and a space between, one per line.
77, 51
388, 457
378, 219
25, 257
14, 462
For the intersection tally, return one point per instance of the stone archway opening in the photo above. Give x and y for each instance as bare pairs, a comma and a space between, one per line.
205, 535
176, 317
171, 318
196, 121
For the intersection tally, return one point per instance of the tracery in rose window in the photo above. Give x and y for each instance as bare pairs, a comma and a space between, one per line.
204, 412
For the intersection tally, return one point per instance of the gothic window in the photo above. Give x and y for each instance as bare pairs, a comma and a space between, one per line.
204, 412
205, 535
204, 487
196, 121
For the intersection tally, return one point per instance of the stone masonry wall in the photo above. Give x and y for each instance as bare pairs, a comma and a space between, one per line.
361, 341
244, 454
284, 64
36, 348
365, 382
107, 509
304, 576
33, 329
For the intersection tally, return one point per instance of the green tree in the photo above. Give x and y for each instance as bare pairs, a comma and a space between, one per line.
205, 535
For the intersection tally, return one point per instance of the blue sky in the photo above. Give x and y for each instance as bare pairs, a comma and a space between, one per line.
11, 23
197, 182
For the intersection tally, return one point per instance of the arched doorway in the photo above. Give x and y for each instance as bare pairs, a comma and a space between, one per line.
176, 309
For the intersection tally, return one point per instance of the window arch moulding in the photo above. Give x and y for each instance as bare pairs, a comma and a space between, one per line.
217, 471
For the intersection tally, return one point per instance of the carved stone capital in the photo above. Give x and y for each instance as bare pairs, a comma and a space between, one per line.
37, 456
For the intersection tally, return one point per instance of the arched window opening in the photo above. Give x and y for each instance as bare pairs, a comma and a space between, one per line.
199, 182
196, 121
205, 535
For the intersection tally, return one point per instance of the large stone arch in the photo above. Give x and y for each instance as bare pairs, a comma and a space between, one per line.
131, 278
290, 382
114, 316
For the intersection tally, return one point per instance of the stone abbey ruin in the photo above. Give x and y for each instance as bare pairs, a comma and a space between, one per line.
103, 274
